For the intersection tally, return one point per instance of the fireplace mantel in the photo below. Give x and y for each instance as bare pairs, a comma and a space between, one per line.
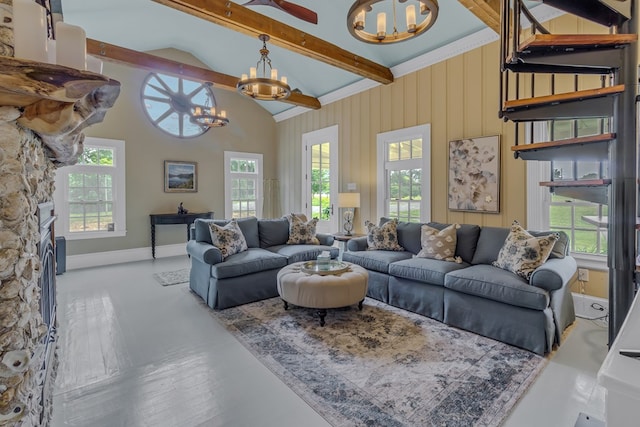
43, 111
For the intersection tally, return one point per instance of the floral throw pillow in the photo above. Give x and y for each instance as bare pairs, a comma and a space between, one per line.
302, 232
384, 237
522, 253
229, 239
439, 244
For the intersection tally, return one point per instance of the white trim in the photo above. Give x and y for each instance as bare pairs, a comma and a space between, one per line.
420, 131
228, 155
95, 259
478, 39
329, 134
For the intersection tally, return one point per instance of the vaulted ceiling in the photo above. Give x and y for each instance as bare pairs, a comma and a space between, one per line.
317, 59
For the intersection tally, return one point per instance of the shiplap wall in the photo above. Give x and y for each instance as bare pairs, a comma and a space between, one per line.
457, 97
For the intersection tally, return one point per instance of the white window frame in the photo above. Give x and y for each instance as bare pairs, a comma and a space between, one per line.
229, 176
61, 193
385, 138
539, 201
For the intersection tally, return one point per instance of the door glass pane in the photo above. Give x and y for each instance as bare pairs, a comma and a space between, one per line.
320, 180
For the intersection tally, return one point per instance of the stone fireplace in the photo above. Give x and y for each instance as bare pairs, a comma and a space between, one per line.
43, 110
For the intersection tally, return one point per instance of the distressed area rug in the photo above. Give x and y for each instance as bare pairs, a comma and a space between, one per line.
168, 278
385, 366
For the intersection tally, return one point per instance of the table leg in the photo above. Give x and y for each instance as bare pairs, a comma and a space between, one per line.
153, 241
322, 313
360, 305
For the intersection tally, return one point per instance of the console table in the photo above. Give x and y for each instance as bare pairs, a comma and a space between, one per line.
172, 219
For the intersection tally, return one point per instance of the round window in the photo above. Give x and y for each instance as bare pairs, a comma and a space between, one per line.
168, 102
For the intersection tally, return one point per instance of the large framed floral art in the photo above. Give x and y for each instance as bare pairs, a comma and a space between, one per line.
474, 174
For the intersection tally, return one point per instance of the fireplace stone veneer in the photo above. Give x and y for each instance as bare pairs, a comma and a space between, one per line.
43, 110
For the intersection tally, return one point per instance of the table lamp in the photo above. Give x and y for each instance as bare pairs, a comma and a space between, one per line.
348, 201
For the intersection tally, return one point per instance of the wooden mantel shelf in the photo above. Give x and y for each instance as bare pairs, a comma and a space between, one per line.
56, 102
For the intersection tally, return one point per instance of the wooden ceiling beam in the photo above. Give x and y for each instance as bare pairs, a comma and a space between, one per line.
242, 19
487, 10
113, 53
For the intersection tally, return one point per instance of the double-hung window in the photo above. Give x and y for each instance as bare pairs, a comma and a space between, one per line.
404, 184
243, 184
90, 195
585, 222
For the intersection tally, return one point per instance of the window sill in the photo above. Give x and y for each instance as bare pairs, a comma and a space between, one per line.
591, 262
94, 235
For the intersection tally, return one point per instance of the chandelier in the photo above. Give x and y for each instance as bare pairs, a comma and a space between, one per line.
357, 18
209, 115
267, 87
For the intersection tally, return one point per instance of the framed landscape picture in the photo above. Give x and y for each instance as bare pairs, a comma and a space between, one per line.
180, 177
474, 174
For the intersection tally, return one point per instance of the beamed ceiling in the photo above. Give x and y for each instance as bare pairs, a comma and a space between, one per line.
317, 59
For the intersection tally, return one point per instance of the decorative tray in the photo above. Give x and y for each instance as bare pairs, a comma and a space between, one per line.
332, 267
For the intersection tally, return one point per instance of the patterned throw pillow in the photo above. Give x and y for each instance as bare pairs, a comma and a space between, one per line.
383, 238
302, 232
439, 244
229, 239
522, 253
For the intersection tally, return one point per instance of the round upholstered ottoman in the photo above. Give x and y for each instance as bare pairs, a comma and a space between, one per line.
322, 291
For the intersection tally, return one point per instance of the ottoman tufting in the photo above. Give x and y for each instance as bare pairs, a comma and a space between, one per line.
322, 291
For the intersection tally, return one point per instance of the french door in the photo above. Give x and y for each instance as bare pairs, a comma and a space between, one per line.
320, 178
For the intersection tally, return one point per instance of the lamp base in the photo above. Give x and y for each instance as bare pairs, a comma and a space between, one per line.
348, 222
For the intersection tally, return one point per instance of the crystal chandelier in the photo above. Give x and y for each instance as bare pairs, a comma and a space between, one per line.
209, 115
267, 87
357, 18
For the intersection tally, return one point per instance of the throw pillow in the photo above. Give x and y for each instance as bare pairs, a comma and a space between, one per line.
439, 244
522, 253
302, 232
383, 238
229, 239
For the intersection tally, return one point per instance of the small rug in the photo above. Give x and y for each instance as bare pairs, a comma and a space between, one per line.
177, 277
385, 366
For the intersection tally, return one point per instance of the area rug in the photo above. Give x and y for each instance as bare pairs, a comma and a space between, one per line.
384, 366
168, 278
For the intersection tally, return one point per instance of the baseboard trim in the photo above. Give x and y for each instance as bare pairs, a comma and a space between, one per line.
96, 259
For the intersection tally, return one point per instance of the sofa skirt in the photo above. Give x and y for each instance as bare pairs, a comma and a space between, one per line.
533, 330
421, 298
378, 287
232, 291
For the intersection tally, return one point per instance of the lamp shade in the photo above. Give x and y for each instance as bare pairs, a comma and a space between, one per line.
348, 200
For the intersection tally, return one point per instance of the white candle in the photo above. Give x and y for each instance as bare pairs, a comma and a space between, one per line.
359, 22
94, 64
29, 30
252, 72
223, 114
274, 74
71, 46
382, 23
283, 79
411, 16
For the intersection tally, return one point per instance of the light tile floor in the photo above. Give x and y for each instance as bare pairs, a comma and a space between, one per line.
134, 353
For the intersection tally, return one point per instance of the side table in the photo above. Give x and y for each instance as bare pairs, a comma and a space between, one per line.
171, 219
342, 240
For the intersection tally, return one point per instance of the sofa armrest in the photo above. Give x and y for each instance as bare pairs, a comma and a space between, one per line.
325, 239
554, 274
357, 244
204, 252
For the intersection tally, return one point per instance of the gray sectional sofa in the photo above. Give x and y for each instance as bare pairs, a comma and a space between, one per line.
250, 275
474, 295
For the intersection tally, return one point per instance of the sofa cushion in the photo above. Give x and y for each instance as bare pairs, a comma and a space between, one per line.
249, 227
522, 253
384, 237
296, 253
408, 234
489, 244
250, 261
467, 239
229, 238
376, 260
273, 232
425, 270
439, 244
497, 284
561, 247
301, 231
